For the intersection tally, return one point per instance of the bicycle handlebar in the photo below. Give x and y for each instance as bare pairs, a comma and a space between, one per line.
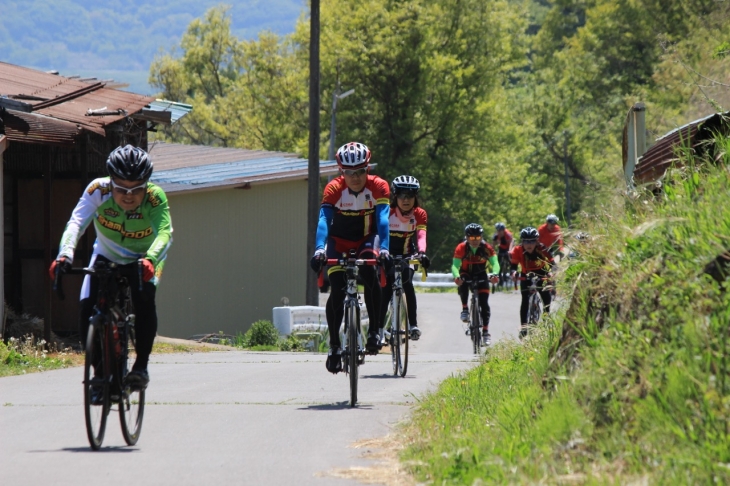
93, 270
357, 261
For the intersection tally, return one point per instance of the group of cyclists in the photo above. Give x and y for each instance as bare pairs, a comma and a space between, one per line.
361, 212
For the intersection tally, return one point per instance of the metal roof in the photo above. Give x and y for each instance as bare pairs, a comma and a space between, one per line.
177, 110
181, 168
31, 128
654, 163
91, 106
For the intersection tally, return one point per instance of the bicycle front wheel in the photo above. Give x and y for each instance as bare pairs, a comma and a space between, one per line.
352, 321
394, 341
476, 328
96, 390
401, 316
535, 309
131, 402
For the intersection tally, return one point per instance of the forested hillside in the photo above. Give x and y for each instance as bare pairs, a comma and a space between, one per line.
119, 38
489, 104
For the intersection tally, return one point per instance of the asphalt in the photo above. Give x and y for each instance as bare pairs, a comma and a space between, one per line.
234, 417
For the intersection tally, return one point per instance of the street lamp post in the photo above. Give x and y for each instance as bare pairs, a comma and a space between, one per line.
336, 96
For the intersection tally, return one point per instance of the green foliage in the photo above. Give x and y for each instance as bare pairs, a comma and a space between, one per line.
261, 333
20, 356
635, 384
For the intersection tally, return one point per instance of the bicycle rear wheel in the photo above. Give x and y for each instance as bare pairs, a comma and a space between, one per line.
476, 327
352, 321
131, 402
95, 389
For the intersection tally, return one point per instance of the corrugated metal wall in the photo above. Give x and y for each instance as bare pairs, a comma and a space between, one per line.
235, 254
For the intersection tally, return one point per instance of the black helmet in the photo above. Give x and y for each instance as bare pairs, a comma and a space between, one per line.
473, 229
405, 183
129, 164
529, 233
552, 219
500, 226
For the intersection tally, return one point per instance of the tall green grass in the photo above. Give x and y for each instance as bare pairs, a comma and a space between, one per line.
632, 382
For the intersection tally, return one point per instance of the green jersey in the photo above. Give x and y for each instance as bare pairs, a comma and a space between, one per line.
121, 236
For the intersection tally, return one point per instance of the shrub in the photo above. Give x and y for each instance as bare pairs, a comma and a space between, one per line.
262, 333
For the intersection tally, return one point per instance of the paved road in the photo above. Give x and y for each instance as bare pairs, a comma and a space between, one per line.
232, 417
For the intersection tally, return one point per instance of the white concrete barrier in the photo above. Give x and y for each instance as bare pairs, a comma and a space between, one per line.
434, 280
306, 319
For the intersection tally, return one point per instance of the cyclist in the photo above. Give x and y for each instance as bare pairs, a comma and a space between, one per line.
132, 221
471, 257
353, 216
531, 256
407, 237
551, 236
503, 242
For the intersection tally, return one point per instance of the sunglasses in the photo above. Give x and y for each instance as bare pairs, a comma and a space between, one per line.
126, 191
528, 242
354, 172
405, 195
474, 238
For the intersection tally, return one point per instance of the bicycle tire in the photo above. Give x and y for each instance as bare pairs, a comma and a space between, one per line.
352, 315
476, 328
535, 310
95, 415
131, 402
394, 337
402, 323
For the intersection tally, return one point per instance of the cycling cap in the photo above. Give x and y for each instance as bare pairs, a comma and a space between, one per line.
129, 164
405, 183
353, 155
552, 219
529, 233
473, 229
500, 226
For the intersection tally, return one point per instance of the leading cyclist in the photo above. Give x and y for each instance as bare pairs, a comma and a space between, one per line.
353, 216
132, 221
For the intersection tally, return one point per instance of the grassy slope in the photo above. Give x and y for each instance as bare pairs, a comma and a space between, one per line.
632, 382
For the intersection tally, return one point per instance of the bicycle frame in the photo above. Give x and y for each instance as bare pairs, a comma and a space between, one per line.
353, 356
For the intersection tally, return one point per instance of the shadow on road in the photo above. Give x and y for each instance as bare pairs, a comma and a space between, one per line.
386, 375
122, 449
334, 406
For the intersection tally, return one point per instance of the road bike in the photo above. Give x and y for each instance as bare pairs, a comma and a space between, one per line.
354, 354
534, 303
106, 365
504, 273
475, 317
397, 325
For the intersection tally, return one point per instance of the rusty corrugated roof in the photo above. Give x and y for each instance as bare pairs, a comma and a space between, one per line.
69, 99
33, 128
654, 163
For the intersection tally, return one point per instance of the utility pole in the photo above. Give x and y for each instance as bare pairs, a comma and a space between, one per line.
312, 292
567, 180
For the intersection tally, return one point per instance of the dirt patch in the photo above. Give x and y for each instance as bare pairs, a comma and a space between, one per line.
387, 470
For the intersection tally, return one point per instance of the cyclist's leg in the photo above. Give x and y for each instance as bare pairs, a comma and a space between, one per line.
387, 294
145, 322
410, 297
464, 296
524, 284
87, 300
334, 309
546, 299
483, 297
373, 294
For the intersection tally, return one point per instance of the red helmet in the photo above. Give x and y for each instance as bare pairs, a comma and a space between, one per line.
353, 155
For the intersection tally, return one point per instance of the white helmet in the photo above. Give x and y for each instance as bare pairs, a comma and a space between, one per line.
353, 155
